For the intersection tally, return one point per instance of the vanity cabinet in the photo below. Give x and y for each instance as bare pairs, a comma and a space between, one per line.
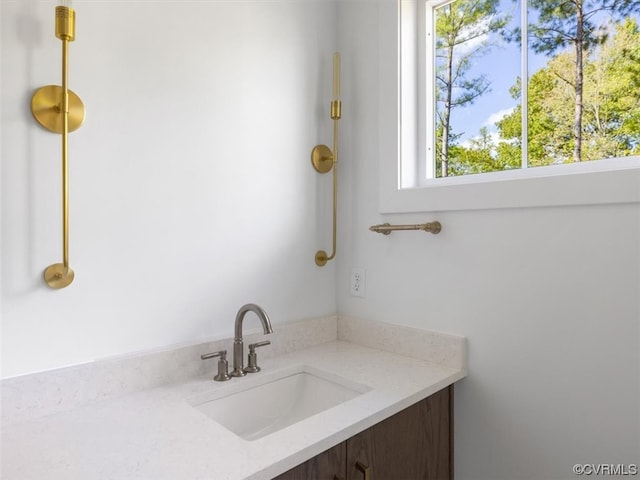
414, 444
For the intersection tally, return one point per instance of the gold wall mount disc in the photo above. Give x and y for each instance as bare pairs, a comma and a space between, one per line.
322, 158
58, 276
46, 106
321, 258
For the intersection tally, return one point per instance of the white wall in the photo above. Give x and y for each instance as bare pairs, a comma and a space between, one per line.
191, 194
548, 298
191, 190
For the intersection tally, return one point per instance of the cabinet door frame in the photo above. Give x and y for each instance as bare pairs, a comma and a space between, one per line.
415, 443
328, 465
388, 449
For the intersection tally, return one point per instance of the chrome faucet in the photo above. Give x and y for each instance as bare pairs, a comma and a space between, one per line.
238, 343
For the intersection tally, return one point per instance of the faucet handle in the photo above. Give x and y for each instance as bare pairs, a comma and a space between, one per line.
253, 357
253, 346
223, 365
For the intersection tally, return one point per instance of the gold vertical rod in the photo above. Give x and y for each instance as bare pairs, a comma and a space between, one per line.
335, 114
65, 151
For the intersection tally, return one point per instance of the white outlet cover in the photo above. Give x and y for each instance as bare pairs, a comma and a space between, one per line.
357, 282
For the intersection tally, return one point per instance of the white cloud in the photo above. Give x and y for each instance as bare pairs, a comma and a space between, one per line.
497, 116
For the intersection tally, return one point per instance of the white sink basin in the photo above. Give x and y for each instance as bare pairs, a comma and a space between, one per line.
256, 406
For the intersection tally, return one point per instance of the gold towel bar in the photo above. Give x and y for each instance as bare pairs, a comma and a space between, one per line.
386, 228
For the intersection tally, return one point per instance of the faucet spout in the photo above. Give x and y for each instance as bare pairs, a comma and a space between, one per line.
238, 342
259, 311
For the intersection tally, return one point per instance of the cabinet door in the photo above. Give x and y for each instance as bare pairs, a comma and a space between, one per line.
413, 444
328, 465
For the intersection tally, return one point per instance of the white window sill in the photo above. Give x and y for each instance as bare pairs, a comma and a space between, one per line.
589, 183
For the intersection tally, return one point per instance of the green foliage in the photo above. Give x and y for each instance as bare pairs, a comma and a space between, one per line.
611, 110
462, 29
562, 23
613, 101
483, 155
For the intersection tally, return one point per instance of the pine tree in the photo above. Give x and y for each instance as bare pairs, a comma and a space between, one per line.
462, 31
611, 104
572, 23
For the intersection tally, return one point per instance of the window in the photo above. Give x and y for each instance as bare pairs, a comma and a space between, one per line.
489, 86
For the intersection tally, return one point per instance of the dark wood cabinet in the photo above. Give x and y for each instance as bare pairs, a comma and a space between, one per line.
324, 466
414, 444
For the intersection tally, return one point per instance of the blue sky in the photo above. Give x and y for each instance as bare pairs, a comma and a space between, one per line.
501, 66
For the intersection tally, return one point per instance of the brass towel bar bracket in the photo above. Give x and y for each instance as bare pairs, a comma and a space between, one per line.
386, 228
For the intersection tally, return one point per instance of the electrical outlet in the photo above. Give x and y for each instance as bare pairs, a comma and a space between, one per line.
357, 283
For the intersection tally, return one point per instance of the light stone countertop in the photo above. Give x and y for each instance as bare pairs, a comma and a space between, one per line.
156, 434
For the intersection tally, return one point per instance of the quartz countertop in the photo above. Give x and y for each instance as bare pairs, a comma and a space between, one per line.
133, 417
157, 434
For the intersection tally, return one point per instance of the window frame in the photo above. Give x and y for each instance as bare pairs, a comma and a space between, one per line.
606, 181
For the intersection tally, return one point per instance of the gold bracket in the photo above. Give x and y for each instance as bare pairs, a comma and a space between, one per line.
58, 276
46, 106
321, 258
322, 158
